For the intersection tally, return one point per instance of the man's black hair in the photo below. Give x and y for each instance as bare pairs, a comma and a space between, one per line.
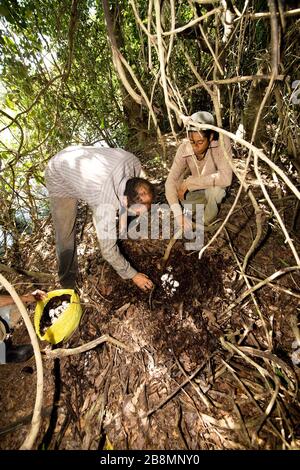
207, 133
132, 187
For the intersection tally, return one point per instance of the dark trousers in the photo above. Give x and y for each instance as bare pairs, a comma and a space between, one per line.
64, 211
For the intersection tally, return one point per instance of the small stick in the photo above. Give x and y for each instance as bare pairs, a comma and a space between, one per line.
180, 387
150, 298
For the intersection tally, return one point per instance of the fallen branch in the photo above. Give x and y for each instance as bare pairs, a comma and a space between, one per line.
171, 244
275, 286
256, 404
257, 209
275, 211
206, 401
259, 285
249, 287
276, 360
184, 383
34, 274
63, 352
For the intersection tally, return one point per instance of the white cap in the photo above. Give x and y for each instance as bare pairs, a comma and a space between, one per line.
201, 117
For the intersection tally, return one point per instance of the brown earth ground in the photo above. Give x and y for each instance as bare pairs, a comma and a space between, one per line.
195, 375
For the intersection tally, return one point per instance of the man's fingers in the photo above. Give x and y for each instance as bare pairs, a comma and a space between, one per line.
148, 285
143, 281
39, 294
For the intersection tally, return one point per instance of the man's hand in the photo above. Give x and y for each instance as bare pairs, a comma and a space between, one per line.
34, 296
142, 281
27, 298
184, 223
181, 191
39, 294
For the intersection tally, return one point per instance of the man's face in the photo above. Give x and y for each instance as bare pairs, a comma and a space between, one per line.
199, 142
144, 201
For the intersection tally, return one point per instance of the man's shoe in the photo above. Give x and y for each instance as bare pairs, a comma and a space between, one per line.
19, 353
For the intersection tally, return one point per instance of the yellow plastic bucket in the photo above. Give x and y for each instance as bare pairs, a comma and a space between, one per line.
68, 321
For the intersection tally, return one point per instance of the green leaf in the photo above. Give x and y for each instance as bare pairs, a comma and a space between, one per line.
9, 103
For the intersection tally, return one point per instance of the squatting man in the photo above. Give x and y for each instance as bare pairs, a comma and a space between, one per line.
108, 180
210, 172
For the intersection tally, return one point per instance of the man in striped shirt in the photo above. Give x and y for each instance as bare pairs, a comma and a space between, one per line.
107, 179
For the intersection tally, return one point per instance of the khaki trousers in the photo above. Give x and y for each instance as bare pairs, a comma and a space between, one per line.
210, 197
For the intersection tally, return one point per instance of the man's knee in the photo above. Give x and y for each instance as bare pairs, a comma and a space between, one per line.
215, 193
196, 197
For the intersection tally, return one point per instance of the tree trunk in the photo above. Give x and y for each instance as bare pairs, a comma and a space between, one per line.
131, 100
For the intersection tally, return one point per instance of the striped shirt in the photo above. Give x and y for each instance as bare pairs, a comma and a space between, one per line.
213, 170
97, 176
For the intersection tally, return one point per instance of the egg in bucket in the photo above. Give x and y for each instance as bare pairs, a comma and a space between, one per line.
50, 328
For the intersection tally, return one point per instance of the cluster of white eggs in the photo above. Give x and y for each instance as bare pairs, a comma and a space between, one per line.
54, 313
169, 284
